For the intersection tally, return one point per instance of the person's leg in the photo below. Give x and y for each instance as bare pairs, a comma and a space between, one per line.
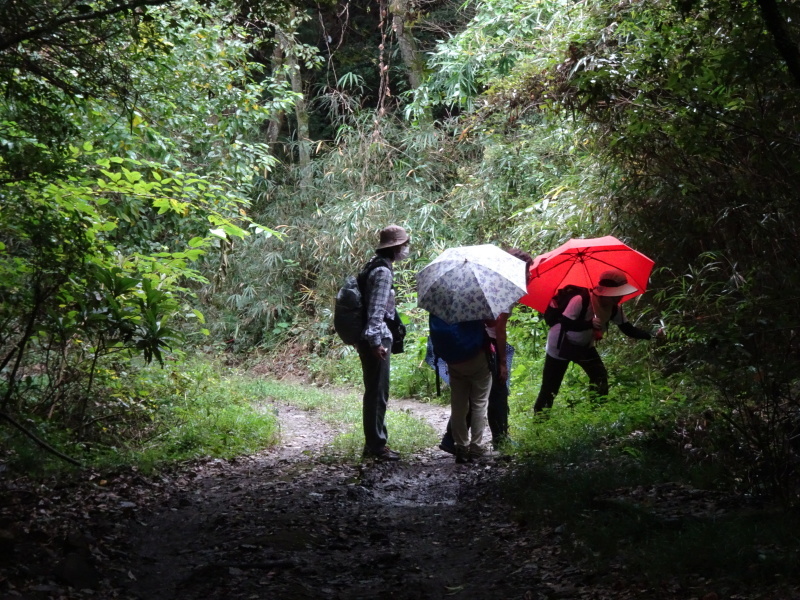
497, 408
598, 376
552, 376
448, 444
376, 396
480, 386
459, 405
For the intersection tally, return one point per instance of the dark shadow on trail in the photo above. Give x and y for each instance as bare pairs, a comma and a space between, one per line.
420, 529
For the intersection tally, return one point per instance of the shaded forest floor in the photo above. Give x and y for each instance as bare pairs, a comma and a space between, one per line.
287, 524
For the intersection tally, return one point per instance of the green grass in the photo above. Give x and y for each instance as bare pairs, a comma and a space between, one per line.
407, 435
198, 408
342, 410
154, 417
202, 409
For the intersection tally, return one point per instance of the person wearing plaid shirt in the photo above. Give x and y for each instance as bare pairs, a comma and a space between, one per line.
374, 349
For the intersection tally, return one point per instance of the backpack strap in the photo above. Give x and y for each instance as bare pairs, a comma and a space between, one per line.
585, 300
579, 324
372, 264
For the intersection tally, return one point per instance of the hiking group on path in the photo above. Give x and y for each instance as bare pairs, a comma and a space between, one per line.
470, 293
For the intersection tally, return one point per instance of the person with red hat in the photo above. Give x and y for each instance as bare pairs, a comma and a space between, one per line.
377, 339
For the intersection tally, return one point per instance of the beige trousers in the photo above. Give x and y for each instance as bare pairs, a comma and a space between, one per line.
470, 384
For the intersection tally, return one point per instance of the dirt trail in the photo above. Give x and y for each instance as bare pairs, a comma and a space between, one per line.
284, 525
281, 524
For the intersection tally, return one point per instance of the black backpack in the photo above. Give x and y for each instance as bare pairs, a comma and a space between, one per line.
349, 314
555, 314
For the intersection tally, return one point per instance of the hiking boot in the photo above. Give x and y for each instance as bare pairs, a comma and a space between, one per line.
384, 454
478, 453
447, 445
462, 455
390, 451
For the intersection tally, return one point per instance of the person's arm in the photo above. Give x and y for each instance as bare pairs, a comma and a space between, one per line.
634, 332
380, 286
629, 328
500, 343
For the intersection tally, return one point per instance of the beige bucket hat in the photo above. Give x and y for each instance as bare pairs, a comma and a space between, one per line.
613, 283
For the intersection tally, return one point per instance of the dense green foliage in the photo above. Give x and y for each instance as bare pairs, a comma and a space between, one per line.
100, 231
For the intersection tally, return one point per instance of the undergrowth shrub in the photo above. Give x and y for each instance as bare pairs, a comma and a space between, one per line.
619, 519
340, 368
743, 353
186, 410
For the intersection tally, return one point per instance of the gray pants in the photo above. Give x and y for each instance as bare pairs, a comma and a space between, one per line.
376, 395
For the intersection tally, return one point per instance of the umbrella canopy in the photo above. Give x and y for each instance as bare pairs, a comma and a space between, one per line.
581, 262
471, 283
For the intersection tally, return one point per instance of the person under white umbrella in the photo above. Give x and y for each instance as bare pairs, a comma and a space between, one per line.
462, 288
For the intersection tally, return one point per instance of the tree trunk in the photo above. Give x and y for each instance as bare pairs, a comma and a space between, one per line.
296, 79
776, 25
275, 125
303, 142
408, 45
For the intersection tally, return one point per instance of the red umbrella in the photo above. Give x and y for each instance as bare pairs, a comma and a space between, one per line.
580, 262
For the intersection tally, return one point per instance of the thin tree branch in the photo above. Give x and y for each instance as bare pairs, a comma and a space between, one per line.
53, 25
38, 440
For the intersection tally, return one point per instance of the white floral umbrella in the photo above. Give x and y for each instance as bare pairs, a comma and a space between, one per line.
471, 283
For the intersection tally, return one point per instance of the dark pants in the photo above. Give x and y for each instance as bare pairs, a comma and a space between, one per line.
556, 368
376, 396
497, 410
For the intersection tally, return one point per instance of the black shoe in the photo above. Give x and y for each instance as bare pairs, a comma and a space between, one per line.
482, 455
448, 447
462, 456
385, 454
477, 453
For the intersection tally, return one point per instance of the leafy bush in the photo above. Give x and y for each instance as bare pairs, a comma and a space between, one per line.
155, 416
102, 230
